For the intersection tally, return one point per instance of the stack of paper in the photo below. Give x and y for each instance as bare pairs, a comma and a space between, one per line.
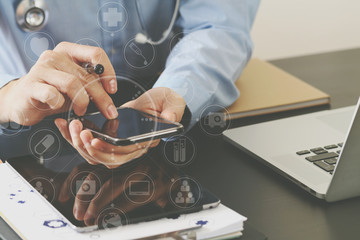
32, 218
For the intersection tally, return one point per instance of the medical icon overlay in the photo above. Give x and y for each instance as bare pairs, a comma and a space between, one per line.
179, 150
139, 188
36, 43
44, 144
185, 192
112, 17
111, 217
214, 120
44, 186
85, 186
138, 55
10, 129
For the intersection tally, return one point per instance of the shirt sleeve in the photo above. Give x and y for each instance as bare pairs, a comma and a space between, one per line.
206, 62
11, 64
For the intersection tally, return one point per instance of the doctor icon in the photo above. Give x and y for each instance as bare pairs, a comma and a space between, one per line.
42, 74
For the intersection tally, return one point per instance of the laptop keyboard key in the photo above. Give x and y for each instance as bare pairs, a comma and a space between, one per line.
331, 161
316, 149
320, 152
330, 146
303, 152
321, 157
325, 166
338, 152
340, 144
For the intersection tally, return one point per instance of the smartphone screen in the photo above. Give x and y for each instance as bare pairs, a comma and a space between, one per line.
131, 126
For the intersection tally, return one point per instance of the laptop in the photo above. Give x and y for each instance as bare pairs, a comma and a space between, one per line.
320, 152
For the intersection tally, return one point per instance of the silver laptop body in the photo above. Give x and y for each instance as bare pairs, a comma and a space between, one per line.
277, 143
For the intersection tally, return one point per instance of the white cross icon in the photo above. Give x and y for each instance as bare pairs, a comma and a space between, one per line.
113, 17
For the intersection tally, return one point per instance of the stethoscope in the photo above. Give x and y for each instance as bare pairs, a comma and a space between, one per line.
32, 15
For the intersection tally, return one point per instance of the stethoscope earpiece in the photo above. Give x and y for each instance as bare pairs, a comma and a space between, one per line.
32, 15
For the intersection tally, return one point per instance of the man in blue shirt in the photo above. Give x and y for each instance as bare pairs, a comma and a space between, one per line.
199, 71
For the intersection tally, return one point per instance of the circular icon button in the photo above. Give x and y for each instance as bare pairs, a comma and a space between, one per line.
36, 43
112, 17
214, 120
111, 217
179, 150
44, 144
185, 192
138, 55
44, 186
139, 188
12, 128
87, 186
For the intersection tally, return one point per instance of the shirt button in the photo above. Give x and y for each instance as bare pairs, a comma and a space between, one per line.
113, 51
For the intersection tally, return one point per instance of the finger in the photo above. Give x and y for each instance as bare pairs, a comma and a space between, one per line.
75, 127
62, 125
111, 160
94, 55
106, 195
64, 130
109, 148
47, 94
65, 191
111, 127
94, 88
67, 84
174, 107
112, 190
82, 200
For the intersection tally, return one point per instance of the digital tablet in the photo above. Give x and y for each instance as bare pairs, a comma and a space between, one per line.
94, 197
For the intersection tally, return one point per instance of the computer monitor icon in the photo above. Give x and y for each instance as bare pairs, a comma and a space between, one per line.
139, 187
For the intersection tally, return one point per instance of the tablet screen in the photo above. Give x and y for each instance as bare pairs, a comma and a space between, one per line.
93, 196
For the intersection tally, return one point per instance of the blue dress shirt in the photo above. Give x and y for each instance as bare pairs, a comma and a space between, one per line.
215, 43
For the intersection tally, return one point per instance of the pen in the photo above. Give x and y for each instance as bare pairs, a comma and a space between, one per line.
98, 68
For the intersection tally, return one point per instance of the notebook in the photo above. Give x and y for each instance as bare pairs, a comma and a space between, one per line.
265, 88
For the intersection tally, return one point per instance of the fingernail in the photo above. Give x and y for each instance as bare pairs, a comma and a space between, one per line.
113, 87
83, 112
112, 111
76, 128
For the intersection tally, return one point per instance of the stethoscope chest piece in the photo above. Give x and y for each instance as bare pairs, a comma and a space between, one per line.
32, 15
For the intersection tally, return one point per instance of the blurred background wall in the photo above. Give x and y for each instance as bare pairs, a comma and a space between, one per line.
287, 28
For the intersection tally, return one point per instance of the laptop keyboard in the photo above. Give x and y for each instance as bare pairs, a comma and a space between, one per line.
324, 157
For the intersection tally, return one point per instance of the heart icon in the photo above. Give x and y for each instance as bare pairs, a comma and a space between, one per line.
39, 45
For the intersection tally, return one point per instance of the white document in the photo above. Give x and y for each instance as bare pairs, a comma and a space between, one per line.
32, 218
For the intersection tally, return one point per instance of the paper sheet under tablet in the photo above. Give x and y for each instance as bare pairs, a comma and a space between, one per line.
29, 215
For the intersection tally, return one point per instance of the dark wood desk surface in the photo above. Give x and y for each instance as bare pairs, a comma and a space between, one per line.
275, 206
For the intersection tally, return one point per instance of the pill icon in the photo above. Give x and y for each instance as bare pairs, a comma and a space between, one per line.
44, 144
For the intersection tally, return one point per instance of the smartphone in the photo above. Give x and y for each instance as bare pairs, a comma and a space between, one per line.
130, 127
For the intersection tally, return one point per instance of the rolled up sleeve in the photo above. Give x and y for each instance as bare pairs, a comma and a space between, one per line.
206, 62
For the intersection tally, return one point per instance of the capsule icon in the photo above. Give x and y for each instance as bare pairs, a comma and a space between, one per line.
44, 144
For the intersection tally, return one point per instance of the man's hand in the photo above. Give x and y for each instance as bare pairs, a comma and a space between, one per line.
56, 81
162, 102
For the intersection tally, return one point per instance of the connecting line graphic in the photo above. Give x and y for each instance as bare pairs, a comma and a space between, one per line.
138, 51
